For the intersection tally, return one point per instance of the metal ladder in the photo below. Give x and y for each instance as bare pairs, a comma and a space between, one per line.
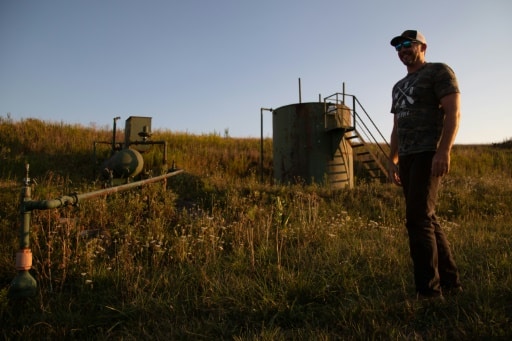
369, 153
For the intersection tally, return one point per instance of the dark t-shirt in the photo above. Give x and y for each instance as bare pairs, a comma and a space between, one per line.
416, 102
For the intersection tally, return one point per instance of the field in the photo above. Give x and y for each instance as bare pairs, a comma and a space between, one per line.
217, 254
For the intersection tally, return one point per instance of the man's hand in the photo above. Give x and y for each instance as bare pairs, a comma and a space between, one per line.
440, 163
393, 174
441, 160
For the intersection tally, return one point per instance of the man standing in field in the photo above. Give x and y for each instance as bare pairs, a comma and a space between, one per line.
426, 108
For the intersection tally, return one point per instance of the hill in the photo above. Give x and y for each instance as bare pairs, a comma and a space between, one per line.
217, 254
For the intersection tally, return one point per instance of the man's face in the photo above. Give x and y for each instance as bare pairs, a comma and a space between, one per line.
411, 52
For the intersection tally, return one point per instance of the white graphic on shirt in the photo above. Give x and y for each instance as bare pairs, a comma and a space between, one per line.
403, 95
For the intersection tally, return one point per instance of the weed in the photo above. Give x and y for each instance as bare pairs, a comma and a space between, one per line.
216, 254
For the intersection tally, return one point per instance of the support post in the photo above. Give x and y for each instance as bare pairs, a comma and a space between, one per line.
261, 142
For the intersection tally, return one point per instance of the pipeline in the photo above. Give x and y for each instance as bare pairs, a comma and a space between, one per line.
24, 285
73, 199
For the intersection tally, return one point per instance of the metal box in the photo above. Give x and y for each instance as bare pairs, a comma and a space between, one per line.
137, 129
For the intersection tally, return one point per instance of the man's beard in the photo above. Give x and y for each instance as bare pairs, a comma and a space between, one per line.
409, 58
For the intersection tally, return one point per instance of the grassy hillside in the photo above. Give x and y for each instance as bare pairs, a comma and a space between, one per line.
215, 254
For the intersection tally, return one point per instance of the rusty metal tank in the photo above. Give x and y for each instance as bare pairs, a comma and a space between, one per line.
309, 144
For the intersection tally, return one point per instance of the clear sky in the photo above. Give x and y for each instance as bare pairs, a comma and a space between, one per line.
205, 66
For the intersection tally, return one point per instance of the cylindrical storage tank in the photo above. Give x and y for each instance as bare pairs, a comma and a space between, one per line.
309, 144
124, 164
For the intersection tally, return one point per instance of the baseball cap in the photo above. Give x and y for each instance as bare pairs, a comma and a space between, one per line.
408, 35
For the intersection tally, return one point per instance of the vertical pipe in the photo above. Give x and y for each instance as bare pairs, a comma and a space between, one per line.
25, 215
114, 135
24, 285
165, 154
261, 142
300, 92
354, 115
261, 145
95, 160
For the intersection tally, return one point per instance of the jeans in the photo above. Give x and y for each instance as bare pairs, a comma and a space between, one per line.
434, 266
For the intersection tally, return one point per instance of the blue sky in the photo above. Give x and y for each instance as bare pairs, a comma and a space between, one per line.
204, 66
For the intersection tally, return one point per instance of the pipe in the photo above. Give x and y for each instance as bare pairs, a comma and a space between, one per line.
261, 142
165, 155
300, 92
24, 285
114, 135
164, 143
73, 199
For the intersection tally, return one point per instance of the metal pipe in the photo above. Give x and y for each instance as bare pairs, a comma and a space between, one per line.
164, 143
24, 285
114, 135
300, 92
261, 142
165, 154
147, 142
73, 199
354, 114
26, 196
261, 145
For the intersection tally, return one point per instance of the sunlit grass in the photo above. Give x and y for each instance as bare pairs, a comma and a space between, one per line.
219, 255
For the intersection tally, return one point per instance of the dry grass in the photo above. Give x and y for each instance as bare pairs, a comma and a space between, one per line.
218, 255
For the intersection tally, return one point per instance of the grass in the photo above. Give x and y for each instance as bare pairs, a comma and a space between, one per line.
218, 255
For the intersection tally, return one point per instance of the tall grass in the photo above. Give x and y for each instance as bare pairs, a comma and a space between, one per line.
215, 254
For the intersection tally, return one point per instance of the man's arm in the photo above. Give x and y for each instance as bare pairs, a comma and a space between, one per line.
441, 160
393, 155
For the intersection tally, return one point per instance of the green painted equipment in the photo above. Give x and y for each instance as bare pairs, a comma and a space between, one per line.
24, 285
325, 142
309, 145
126, 161
137, 129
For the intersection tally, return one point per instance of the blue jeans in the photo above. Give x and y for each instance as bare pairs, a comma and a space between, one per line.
434, 266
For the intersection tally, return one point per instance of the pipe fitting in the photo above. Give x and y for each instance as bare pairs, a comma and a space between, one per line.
24, 259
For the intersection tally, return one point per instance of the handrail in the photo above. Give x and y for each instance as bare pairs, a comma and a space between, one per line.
359, 125
355, 116
370, 119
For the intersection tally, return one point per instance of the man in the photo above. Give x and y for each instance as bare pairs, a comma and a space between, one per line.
426, 108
